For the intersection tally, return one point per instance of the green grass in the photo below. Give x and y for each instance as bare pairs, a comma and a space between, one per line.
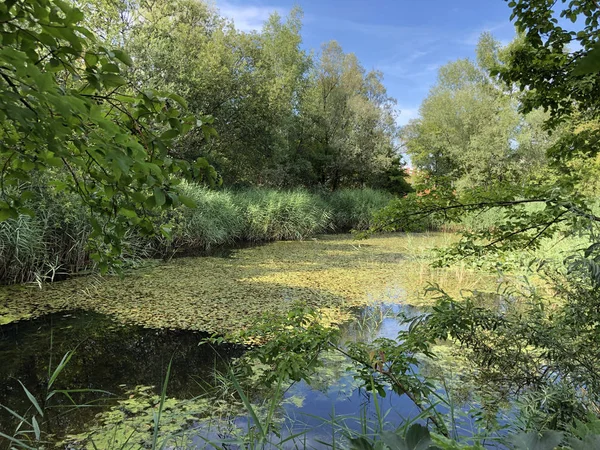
46, 246
271, 215
53, 243
216, 220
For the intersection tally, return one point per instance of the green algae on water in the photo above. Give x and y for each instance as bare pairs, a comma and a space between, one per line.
226, 294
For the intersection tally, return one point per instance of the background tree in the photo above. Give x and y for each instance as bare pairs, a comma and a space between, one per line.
470, 132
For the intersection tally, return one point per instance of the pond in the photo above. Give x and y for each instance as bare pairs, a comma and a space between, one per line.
124, 333
115, 358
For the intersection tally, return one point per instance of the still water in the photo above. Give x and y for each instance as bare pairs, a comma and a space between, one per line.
113, 358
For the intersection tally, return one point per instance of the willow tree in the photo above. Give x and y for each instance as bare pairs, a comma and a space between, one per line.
350, 132
470, 133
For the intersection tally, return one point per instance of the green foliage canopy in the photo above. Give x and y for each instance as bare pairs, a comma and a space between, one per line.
67, 112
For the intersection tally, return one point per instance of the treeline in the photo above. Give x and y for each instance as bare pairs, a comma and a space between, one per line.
283, 117
471, 133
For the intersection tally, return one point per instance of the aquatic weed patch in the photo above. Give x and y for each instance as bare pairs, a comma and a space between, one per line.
226, 294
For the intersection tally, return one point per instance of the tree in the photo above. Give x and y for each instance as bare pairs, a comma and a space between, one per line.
67, 112
470, 133
349, 132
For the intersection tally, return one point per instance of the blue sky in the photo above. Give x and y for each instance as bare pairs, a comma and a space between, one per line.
408, 40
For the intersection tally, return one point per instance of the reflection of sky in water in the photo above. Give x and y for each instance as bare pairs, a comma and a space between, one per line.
342, 401
333, 403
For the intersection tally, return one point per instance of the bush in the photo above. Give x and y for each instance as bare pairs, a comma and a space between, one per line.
353, 209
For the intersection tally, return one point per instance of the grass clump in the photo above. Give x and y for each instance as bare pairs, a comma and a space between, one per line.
47, 245
353, 209
272, 215
54, 242
216, 220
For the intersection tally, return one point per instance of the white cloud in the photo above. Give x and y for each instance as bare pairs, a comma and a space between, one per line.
247, 17
472, 38
405, 115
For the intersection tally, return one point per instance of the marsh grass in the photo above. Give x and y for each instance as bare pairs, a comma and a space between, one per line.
353, 209
52, 244
216, 220
271, 215
47, 246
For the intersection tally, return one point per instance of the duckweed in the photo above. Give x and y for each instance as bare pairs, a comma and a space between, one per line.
225, 294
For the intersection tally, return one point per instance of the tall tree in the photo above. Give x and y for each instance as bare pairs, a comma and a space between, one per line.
349, 121
470, 132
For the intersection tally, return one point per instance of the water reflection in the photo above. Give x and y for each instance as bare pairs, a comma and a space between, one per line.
108, 356
115, 358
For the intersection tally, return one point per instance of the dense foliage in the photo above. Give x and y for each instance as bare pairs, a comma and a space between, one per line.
108, 106
71, 122
284, 117
536, 349
118, 120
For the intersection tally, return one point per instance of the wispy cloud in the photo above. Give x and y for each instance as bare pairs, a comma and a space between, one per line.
406, 114
407, 70
472, 38
248, 17
374, 30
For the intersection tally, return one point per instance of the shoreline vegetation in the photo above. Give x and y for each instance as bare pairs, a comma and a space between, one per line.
52, 244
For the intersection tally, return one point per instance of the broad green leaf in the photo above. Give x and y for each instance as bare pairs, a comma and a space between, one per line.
589, 63
159, 196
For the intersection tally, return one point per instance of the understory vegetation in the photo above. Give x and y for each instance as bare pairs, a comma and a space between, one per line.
53, 243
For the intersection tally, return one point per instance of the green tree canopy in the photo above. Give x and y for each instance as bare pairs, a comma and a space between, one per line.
69, 116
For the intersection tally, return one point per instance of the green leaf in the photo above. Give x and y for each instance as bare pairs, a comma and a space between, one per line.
8, 213
169, 134
159, 196
91, 59
417, 437
548, 440
179, 99
129, 213
589, 63
187, 201
393, 441
36, 428
123, 57
360, 443
32, 399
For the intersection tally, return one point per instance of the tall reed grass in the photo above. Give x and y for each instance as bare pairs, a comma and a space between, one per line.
271, 215
46, 246
353, 209
53, 243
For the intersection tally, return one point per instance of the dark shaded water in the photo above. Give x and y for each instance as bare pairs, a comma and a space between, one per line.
108, 357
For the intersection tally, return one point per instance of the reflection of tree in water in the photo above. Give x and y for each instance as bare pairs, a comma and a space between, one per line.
107, 356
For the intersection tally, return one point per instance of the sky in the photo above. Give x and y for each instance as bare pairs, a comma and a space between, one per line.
407, 40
